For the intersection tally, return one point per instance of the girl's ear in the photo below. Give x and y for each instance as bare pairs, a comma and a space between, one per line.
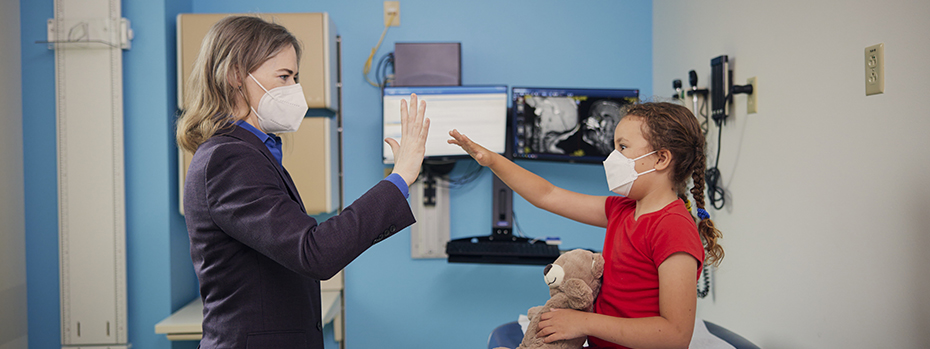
664, 159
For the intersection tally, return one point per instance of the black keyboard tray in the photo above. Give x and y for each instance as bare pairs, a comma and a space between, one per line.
501, 249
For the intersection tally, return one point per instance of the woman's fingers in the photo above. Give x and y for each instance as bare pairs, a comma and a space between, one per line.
408, 154
421, 115
394, 145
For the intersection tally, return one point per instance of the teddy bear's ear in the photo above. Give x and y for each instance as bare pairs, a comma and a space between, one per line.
597, 266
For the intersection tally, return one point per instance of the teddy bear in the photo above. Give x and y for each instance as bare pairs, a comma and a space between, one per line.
574, 280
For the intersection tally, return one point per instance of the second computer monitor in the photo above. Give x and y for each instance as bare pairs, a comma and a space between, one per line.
567, 124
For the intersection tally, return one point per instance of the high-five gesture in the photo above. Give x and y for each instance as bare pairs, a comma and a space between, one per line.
538, 191
408, 154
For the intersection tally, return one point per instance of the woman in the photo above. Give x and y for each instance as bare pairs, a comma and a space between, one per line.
258, 255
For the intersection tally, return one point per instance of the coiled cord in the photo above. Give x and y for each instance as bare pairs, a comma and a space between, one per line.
701, 293
715, 192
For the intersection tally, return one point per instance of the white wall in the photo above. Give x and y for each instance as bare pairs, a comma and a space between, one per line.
12, 226
827, 224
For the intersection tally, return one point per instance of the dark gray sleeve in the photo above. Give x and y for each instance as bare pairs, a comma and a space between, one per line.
249, 201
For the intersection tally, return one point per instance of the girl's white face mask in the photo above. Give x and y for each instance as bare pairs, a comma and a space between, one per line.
621, 172
281, 109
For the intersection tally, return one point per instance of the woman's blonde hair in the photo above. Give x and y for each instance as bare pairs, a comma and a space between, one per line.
234, 47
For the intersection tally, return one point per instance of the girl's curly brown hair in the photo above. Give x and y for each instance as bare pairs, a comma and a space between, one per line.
673, 127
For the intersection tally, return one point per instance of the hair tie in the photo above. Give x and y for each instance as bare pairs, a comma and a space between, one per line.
702, 214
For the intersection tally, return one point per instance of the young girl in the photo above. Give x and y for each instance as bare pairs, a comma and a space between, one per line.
653, 249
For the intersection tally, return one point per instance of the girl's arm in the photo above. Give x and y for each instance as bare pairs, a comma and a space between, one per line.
671, 329
583, 208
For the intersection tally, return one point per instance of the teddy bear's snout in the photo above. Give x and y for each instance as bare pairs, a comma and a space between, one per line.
554, 275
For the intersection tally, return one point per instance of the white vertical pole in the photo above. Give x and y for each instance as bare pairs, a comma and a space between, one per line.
86, 36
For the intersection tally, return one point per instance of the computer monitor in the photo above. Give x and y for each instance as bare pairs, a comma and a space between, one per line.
480, 112
567, 124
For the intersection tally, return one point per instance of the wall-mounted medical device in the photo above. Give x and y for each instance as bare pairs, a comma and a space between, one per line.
694, 93
722, 89
719, 86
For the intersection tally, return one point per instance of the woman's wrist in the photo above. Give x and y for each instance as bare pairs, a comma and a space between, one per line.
400, 183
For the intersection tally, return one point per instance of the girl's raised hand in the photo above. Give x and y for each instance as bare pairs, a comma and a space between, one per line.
479, 153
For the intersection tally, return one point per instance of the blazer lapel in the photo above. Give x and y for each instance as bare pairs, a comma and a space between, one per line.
246, 136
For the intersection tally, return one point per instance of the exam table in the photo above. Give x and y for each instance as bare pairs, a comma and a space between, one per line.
510, 335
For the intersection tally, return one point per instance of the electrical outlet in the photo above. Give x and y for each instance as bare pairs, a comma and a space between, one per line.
875, 69
752, 101
392, 7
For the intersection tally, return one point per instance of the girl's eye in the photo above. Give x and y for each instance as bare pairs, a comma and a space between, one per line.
621, 147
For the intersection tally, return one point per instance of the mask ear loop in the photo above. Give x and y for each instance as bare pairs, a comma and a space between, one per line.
645, 155
259, 84
246, 98
247, 103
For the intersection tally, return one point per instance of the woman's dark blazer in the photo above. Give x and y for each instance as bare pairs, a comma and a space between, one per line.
258, 255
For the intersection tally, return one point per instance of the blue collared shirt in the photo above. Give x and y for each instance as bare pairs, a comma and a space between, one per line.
274, 146
270, 140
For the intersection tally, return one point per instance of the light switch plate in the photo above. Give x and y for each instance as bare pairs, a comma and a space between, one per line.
875, 69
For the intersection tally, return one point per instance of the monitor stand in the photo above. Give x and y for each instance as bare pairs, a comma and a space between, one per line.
502, 213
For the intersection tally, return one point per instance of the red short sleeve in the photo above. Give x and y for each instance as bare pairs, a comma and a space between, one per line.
676, 233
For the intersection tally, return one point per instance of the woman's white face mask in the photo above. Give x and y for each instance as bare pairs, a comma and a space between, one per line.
621, 172
281, 109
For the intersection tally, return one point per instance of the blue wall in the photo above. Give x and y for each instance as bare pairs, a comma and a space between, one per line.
160, 277
390, 298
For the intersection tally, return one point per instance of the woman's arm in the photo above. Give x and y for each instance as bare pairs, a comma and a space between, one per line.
541, 193
245, 197
672, 329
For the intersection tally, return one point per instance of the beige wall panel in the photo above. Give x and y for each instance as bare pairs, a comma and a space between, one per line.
314, 31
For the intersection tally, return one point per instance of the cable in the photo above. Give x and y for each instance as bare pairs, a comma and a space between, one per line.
474, 172
703, 112
380, 70
367, 67
442, 169
516, 224
703, 293
715, 193
388, 78
467, 178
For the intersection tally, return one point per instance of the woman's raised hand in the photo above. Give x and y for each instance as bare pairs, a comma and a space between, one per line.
479, 153
408, 154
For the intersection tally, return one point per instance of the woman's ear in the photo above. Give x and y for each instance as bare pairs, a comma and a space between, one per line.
232, 76
664, 159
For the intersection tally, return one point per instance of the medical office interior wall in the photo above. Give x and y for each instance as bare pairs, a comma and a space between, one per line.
12, 223
826, 219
